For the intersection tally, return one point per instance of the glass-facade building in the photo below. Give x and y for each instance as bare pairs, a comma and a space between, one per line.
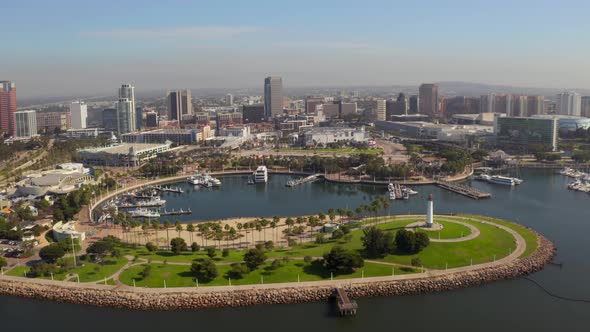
521, 132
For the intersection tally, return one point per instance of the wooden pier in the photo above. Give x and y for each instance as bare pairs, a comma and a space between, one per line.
463, 190
176, 212
346, 307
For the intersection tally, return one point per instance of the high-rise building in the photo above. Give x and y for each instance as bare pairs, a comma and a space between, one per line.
429, 100
78, 114
273, 97
109, 119
49, 122
330, 110
311, 103
486, 103
535, 105
414, 105
519, 106
126, 118
585, 106
523, 133
139, 118
569, 103
151, 119
253, 113
26, 123
346, 108
381, 110
229, 99
180, 103
502, 104
403, 103
7, 107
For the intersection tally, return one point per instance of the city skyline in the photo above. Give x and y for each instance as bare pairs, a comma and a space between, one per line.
358, 44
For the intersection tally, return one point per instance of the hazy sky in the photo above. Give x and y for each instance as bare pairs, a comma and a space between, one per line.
69, 47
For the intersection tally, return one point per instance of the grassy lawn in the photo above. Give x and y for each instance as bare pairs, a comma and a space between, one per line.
330, 150
529, 237
450, 230
18, 271
92, 272
180, 276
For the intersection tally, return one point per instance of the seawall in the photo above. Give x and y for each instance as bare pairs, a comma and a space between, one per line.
171, 299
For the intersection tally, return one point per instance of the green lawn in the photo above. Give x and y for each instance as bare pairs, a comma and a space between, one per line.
330, 150
180, 276
18, 271
88, 272
450, 230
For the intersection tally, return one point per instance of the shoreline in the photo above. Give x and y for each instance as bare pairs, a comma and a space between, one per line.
141, 299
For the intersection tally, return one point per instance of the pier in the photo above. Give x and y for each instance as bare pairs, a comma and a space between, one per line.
463, 190
176, 213
169, 189
311, 178
346, 307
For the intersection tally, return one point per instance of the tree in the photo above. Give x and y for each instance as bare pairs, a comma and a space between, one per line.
204, 271
190, 228
52, 253
409, 242
377, 242
178, 245
416, 261
340, 260
195, 247
211, 252
151, 247
225, 252
146, 272
422, 241
101, 248
3, 262
238, 270
253, 258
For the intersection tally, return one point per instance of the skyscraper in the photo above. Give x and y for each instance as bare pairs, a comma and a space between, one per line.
403, 103
26, 123
569, 103
229, 99
273, 97
380, 110
414, 104
535, 105
311, 103
7, 107
429, 99
126, 109
78, 114
180, 102
109, 119
585, 106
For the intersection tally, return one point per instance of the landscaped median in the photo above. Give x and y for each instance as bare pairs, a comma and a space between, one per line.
161, 280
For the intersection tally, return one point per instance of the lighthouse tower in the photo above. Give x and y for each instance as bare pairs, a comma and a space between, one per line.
429, 211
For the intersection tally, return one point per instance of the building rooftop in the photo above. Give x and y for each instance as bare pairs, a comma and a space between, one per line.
124, 148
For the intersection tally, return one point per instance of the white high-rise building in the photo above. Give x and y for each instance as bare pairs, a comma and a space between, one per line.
569, 103
229, 99
273, 97
126, 119
26, 123
78, 114
381, 109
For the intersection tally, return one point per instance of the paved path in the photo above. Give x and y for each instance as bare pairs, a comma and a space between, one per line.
474, 231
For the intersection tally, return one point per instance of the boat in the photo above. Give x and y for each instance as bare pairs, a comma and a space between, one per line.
411, 192
195, 181
498, 179
144, 213
261, 175
152, 202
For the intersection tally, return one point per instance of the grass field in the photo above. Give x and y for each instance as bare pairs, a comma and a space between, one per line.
330, 150
180, 276
450, 230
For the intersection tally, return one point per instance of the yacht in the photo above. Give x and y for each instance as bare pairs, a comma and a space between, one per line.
261, 175
208, 178
193, 180
503, 180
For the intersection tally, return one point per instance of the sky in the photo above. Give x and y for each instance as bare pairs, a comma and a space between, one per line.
63, 47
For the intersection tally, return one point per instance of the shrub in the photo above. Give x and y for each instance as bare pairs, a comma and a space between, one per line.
211, 252
3, 262
151, 247
341, 260
320, 238
269, 245
52, 253
204, 271
238, 270
253, 258
307, 259
225, 252
195, 247
178, 245
416, 262
146, 272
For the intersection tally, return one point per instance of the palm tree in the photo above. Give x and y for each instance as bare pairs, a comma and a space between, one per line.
273, 224
332, 214
289, 222
259, 229
190, 228
167, 225
322, 216
239, 226
156, 227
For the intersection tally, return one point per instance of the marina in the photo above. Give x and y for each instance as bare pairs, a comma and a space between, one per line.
397, 191
204, 180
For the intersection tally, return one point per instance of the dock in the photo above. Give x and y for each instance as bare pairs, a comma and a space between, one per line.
463, 190
311, 178
346, 307
176, 213
169, 189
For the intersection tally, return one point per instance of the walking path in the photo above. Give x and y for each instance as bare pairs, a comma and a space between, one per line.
474, 230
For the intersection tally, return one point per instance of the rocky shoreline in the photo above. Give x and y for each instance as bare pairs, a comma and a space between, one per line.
247, 297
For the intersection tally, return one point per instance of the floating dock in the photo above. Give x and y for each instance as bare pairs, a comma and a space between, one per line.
176, 213
346, 307
463, 190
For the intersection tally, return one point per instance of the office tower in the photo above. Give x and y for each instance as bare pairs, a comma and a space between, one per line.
345, 108
50, 122
403, 103
414, 105
585, 106
429, 99
535, 105
7, 107
486, 103
519, 106
229, 99
180, 103
253, 113
569, 103
273, 97
381, 110
109, 119
126, 109
139, 118
26, 123
311, 104
502, 104
151, 119
523, 132
330, 110
78, 114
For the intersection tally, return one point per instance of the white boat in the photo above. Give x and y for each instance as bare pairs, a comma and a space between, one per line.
208, 178
261, 175
498, 179
193, 180
410, 191
144, 213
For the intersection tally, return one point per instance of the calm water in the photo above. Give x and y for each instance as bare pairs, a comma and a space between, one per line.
542, 202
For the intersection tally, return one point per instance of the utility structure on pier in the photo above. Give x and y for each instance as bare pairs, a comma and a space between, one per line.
430, 212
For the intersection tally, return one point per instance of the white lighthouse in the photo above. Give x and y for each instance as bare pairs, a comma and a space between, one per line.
429, 212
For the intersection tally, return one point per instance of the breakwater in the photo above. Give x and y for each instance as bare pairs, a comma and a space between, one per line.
197, 298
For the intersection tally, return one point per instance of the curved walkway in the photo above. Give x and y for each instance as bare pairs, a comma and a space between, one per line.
474, 232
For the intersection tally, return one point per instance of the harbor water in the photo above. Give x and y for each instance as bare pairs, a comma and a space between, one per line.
542, 202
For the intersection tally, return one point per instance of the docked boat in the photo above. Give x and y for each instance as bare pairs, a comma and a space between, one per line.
498, 179
144, 213
261, 175
195, 181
